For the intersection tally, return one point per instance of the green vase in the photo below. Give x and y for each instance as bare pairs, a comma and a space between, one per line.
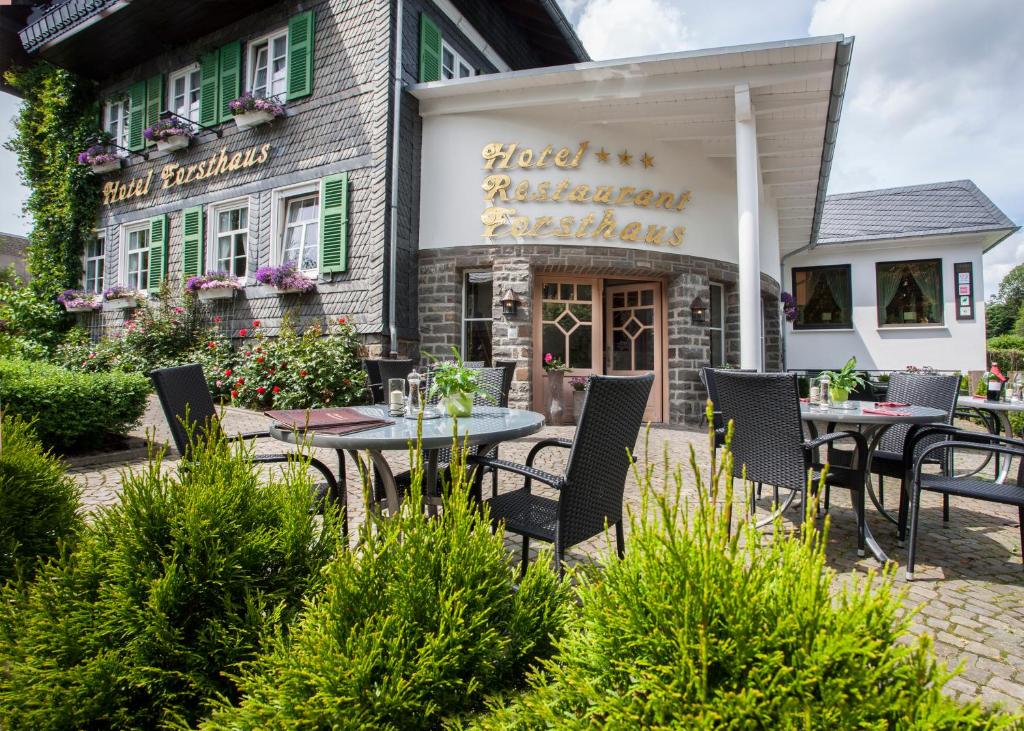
458, 405
838, 395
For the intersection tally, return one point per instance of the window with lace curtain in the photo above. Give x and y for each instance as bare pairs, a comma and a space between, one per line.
909, 292
823, 298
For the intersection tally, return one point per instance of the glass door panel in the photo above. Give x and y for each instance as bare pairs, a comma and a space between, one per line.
633, 336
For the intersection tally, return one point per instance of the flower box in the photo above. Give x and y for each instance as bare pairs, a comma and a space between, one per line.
248, 120
280, 291
216, 293
81, 308
109, 166
121, 303
172, 143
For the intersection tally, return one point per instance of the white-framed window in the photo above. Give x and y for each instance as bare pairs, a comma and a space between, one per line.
115, 122
716, 324
454, 66
267, 65
296, 226
183, 92
228, 244
135, 256
94, 263
477, 316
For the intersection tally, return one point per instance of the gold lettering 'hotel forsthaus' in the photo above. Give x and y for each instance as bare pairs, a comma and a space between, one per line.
459, 173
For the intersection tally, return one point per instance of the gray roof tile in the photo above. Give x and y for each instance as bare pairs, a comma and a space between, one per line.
957, 206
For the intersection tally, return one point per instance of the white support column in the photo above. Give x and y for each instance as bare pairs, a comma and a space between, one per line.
747, 233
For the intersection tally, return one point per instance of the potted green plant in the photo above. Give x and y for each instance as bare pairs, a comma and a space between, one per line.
454, 384
843, 381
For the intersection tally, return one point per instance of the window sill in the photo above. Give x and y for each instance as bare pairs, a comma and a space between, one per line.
813, 330
900, 328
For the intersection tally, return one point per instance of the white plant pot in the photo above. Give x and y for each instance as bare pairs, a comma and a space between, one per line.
100, 168
121, 303
83, 308
177, 142
247, 120
216, 293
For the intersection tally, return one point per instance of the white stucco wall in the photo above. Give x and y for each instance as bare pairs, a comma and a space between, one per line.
955, 345
452, 198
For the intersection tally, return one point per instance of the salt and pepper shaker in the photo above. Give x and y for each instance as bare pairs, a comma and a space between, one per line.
415, 404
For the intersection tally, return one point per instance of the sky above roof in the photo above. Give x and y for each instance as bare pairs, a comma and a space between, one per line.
934, 92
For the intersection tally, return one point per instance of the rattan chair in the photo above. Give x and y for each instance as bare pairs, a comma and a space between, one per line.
928, 443
707, 377
189, 410
768, 443
590, 490
385, 369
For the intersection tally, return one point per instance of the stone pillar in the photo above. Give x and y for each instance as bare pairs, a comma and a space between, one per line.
512, 337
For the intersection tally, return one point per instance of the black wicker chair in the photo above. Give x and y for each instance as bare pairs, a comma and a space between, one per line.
922, 443
373, 382
509, 368
386, 369
707, 377
590, 490
768, 440
189, 409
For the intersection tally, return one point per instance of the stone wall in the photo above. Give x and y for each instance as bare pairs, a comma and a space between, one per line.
515, 266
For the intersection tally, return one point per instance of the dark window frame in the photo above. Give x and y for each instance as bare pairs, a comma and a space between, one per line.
941, 299
848, 305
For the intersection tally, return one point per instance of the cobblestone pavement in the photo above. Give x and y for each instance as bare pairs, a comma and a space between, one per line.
969, 580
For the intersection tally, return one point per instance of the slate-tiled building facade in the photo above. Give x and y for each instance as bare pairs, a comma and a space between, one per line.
337, 128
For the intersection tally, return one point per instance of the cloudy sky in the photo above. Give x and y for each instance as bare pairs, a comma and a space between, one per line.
936, 88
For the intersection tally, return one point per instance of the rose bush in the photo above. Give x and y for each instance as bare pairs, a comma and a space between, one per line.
309, 370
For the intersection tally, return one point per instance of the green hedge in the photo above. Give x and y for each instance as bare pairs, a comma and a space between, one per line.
72, 411
38, 501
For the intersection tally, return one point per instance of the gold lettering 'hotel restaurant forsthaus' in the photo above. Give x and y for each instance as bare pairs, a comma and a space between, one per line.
459, 173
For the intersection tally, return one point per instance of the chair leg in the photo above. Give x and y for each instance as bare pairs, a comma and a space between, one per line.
494, 483
559, 561
862, 520
526, 556
620, 539
945, 508
901, 522
775, 497
915, 504
828, 496
881, 490
343, 494
1020, 516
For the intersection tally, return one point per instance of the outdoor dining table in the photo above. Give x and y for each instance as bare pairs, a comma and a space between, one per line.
1001, 411
873, 426
487, 427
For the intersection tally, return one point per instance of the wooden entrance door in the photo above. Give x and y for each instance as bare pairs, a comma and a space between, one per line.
633, 336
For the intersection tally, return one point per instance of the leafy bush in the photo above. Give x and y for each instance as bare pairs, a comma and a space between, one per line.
703, 627
30, 324
72, 411
317, 368
38, 501
166, 594
1006, 342
418, 624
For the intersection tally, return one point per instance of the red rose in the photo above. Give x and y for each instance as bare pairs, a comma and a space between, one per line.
303, 373
277, 389
341, 320
243, 332
271, 371
211, 345
260, 359
234, 394
248, 353
241, 381
261, 390
347, 382
217, 318
255, 323
227, 372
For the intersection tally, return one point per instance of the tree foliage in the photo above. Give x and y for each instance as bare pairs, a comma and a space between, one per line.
1004, 313
57, 120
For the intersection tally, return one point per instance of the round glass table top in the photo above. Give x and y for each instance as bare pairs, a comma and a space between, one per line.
487, 425
899, 415
980, 402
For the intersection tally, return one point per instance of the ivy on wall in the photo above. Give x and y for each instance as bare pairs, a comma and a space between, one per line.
57, 120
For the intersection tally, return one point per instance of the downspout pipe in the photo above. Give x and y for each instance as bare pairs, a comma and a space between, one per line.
396, 122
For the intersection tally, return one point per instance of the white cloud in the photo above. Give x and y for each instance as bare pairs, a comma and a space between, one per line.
935, 93
616, 29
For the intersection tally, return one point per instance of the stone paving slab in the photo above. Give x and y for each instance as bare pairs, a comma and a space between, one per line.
969, 579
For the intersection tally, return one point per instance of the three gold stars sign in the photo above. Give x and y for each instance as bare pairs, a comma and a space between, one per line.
625, 158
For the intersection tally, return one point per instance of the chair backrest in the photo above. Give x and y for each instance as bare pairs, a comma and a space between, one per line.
598, 462
489, 382
707, 377
186, 401
372, 368
392, 369
767, 430
509, 366
920, 389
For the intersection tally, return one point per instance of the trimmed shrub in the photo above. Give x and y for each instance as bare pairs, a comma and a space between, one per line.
417, 625
320, 367
167, 593
38, 501
72, 411
703, 627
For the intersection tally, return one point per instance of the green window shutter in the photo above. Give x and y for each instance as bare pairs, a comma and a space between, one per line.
154, 100
430, 49
192, 258
300, 55
209, 114
334, 223
157, 251
136, 115
230, 78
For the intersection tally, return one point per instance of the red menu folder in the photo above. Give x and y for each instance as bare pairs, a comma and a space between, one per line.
334, 421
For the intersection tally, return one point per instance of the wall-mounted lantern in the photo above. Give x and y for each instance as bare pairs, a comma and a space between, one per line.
698, 311
510, 303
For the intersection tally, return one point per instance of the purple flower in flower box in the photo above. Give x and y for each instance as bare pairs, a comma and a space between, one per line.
285, 277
